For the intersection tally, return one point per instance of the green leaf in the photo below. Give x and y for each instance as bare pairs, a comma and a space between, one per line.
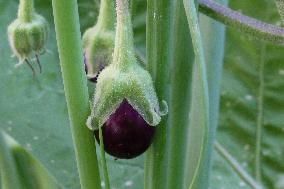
251, 122
33, 110
19, 169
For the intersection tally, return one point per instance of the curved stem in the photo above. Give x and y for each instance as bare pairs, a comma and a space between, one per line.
26, 10
68, 36
259, 123
106, 16
103, 160
236, 166
251, 26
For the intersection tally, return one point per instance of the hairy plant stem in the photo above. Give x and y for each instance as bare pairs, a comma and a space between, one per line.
124, 53
26, 10
236, 166
106, 16
68, 36
251, 26
280, 7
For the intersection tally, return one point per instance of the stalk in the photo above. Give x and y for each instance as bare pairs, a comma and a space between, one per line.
280, 7
253, 27
158, 50
124, 53
68, 36
106, 16
103, 160
26, 10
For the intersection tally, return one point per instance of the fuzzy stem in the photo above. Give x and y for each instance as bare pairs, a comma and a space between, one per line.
106, 16
68, 36
26, 10
103, 160
124, 54
280, 7
251, 26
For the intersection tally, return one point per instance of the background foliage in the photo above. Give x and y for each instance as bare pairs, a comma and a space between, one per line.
33, 110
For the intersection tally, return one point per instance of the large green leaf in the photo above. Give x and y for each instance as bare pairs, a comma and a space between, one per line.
252, 100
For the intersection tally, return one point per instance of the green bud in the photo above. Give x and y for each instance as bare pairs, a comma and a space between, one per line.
98, 48
28, 33
125, 79
98, 41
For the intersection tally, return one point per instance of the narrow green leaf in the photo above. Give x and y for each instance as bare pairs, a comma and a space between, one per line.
180, 96
8, 168
20, 170
213, 36
199, 116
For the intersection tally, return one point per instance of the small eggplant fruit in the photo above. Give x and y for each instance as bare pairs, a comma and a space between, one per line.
125, 107
126, 133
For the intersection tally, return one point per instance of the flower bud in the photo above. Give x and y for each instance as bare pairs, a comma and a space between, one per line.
98, 41
98, 49
28, 33
120, 134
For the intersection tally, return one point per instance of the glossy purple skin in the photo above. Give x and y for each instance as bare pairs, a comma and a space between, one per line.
126, 134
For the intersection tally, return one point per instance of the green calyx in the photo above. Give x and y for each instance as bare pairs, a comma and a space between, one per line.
28, 33
98, 41
98, 48
133, 84
124, 79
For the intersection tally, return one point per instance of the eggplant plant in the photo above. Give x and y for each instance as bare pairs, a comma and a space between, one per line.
184, 94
